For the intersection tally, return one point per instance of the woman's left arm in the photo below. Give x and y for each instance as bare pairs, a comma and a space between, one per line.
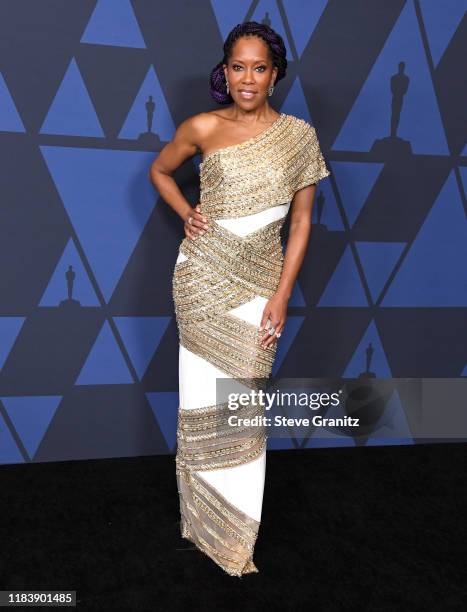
299, 234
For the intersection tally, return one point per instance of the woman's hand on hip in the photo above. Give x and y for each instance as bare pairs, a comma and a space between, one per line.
276, 311
195, 223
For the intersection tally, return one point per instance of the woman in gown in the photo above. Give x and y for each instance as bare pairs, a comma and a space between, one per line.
231, 284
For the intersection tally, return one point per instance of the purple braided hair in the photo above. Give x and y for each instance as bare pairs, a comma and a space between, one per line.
277, 51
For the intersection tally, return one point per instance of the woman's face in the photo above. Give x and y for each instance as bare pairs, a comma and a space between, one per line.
250, 72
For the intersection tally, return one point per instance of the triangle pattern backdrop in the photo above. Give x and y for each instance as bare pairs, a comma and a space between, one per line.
90, 245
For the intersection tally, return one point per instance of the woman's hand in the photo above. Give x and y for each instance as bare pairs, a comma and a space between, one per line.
195, 223
276, 311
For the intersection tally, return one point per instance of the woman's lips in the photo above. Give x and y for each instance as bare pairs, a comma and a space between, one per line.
247, 94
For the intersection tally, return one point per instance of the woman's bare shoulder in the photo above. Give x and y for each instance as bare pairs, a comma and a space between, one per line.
198, 128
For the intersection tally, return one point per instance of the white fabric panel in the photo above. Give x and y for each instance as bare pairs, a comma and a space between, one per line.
242, 485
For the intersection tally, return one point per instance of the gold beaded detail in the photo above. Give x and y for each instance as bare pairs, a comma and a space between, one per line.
217, 527
263, 171
210, 439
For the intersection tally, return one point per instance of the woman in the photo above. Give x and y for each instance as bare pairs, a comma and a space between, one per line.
231, 282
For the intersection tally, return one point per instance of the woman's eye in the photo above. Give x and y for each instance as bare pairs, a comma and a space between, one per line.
235, 66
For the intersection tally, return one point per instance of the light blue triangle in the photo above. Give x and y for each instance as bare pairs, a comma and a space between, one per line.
303, 18
113, 23
228, 14
108, 215
165, 406
31, 417
291, 329
432, 273
296, 103
331, 217
10, 120
105, 364
355, 180
56, 290
72, 112
378, 364
378, 260
10, 328
296, 298
275, 19
393, 428
9, 452
441, 20
420, 119
141, 336
136, 121
344, 287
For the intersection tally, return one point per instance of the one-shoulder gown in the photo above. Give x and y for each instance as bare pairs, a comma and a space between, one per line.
221, 283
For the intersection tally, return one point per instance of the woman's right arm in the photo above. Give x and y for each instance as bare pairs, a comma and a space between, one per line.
183, 146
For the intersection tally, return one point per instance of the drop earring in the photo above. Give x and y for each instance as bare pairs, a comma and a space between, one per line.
227, 85
270, 90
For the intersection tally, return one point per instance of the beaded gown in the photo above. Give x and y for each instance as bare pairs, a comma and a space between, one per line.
221, 283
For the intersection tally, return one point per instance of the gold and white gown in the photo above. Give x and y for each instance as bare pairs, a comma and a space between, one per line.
222, 281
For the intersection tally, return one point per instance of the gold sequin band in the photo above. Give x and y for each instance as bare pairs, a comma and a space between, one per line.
263, 171
223, 271
217, 527
218, 437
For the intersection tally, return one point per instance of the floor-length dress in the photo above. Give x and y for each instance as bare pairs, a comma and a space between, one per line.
222, 281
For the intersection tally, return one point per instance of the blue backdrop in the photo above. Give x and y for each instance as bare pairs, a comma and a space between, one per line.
91, 90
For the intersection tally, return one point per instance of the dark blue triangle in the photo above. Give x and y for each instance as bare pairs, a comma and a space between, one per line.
331, 217
431, 273
10, 328
290, 331
344, 287
441, 20
279, 444
10, 121
327, 436
297, 299
378, 260
295, 102
141, 336
165, 407
378, 363
392, 428
303, 18
9, 452
355, 180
